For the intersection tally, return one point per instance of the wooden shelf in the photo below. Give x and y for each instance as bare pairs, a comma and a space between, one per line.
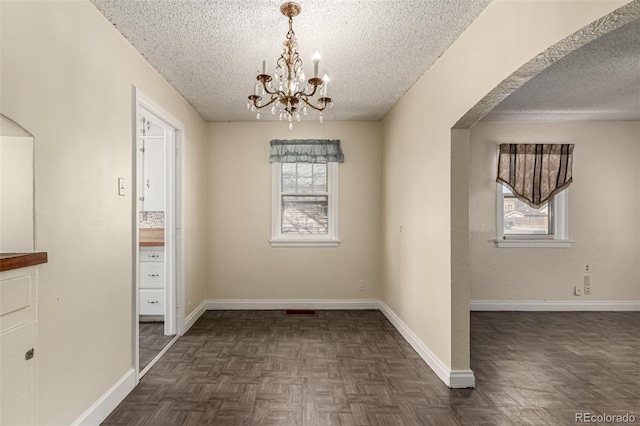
9, 261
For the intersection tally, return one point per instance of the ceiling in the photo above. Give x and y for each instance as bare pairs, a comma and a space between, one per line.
372, 50
599, 81
212, 50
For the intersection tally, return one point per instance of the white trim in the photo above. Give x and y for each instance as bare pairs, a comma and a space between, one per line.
286, 240
541, 243
270, 304
559, 213
100, 409
193, 316
550, 305
158, 356
304, 243
174, 285
452, 378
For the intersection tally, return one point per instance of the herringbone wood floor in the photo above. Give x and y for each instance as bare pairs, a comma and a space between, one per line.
354, 368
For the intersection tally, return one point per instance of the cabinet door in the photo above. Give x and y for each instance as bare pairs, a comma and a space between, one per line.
17, 387
153, 175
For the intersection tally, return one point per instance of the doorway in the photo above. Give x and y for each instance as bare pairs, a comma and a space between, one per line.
157, 232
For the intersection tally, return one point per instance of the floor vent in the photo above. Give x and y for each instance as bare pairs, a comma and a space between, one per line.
303, 312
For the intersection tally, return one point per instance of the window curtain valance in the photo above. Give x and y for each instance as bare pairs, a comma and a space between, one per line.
535, 172
306, 151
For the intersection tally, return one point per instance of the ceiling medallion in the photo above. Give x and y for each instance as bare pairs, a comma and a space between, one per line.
286, 91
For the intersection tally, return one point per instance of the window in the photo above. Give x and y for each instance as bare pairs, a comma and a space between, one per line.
305, 204
520, 225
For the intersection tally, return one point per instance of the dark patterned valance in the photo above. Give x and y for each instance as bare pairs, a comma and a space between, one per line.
306, 151
535, 172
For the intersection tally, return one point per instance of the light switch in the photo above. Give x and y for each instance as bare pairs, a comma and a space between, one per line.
121, 187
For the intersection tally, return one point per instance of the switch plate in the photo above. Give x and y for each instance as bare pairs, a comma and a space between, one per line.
578, 290
587, 279
361, 285
121, 187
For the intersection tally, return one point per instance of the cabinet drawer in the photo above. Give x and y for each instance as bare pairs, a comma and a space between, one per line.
151, 274
152, 254
151, 302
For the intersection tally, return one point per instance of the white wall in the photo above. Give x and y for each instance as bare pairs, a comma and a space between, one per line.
243, 264
68, 77
604, 216
417, 162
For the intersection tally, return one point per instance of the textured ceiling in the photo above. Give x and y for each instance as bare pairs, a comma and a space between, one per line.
211, 50
599, 81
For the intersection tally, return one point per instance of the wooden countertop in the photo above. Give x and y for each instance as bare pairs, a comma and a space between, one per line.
151, 237
9, 261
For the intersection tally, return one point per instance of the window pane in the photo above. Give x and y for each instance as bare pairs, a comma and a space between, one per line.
304, 214
288, 177
521, 219
319, 178
305, 177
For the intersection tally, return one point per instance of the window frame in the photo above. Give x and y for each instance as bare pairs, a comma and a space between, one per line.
558, 215
278, 239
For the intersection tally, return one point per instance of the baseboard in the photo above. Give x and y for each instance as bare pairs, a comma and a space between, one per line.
269, 304
452, 378
108, 401
545, 305
193, 316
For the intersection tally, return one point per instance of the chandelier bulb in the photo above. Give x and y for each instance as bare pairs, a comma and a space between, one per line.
289, 117
304, 110
321, 119
302, 77
253, 108
290, 126
297, 117
273, 109
258, 116
280, 116
248, 105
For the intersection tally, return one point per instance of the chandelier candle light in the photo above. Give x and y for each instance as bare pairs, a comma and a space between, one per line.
289, 95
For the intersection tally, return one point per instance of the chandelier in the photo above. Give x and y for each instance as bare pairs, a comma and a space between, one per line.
286, 91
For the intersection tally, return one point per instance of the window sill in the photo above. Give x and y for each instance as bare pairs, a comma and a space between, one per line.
506, 243
304, 243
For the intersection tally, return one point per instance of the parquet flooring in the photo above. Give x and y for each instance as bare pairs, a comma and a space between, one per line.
354, 368
152, 341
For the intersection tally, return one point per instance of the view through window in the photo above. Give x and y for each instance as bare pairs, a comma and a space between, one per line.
522, 219
304, 198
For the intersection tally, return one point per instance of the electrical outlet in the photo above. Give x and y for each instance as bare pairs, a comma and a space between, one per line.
361, 285
578, 290
401, 230
587, 279
587, 290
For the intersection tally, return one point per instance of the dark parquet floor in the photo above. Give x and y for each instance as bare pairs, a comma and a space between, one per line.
354, 368
152, 341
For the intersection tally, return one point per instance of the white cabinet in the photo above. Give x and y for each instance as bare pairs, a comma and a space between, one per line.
17, 346
153, 186
152, 281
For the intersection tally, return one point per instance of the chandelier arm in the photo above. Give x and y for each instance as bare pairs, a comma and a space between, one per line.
306, 101
255, 100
